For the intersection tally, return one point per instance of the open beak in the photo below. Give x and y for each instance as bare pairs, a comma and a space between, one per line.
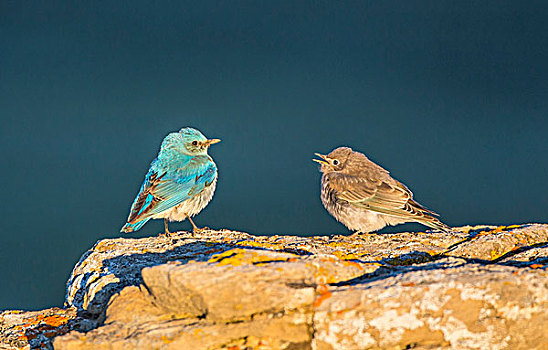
212, 141
322, 160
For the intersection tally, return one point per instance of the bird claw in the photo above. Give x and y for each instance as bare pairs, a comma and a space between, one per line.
200, 230
357, 234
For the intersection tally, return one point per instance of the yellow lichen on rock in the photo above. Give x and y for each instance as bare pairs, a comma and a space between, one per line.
473, 288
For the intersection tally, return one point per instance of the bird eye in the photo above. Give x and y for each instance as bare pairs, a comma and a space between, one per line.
194, 143
336, 162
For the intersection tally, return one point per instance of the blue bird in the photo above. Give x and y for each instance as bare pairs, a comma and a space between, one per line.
179, 184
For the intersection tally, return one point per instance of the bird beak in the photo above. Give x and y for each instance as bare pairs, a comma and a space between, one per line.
212, 141
322, 160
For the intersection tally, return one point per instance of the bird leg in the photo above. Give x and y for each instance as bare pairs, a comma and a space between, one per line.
167, 233
195, 228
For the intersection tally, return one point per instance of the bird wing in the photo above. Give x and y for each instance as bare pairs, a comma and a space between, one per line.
163, 190
386, 196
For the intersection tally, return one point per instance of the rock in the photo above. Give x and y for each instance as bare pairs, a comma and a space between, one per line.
114, 264
476, 288
34, 329
448, 303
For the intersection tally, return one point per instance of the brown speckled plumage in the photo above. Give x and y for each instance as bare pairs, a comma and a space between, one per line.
364, 197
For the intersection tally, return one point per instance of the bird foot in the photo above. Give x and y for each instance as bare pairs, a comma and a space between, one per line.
166, 230
196, 230
357, 234
166, 234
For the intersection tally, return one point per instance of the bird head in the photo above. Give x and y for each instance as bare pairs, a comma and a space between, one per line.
194, 142
336, 161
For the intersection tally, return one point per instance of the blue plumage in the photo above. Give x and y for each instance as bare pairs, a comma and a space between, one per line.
179, 184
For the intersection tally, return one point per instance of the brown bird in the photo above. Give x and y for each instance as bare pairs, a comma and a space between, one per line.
364, 197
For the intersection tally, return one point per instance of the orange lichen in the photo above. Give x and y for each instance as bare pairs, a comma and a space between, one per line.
352, 263
495, 254
346, 256
261, 245
56, 320
48, 326
323, 293
104, 246
238, 256
536, 266
409, 284
165, 339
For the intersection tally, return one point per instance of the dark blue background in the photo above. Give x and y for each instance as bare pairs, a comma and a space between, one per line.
451, 97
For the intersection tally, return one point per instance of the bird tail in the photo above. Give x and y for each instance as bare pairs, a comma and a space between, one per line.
428, 217
131, 227
434, 223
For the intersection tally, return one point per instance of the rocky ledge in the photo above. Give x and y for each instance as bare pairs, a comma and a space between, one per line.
482, 287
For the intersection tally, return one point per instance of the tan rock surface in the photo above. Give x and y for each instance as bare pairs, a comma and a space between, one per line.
447, 303
35, 329
476, 288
